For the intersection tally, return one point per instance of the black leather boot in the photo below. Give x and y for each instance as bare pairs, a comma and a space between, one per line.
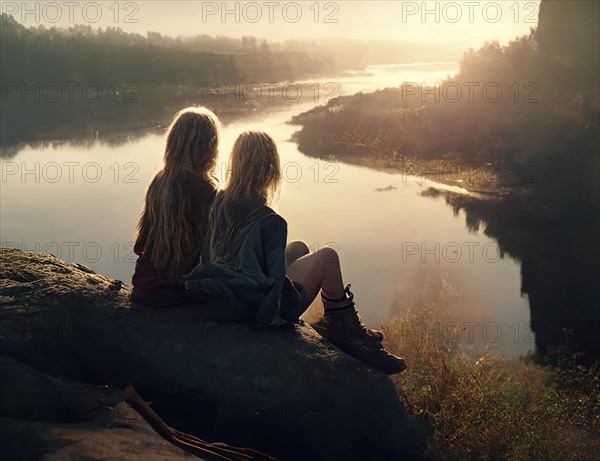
348, 315
344, 328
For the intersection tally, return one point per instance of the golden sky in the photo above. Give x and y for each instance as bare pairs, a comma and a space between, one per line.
466, 23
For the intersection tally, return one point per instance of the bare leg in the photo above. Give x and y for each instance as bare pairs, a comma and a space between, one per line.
318, 271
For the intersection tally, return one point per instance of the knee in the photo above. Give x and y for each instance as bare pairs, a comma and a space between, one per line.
295, 250
298, 247
328, 255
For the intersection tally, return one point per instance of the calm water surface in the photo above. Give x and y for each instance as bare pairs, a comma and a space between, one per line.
82, 205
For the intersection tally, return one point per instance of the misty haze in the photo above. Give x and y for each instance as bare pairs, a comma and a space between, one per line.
448, 152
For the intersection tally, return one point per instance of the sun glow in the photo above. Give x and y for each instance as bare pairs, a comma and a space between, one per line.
454, 25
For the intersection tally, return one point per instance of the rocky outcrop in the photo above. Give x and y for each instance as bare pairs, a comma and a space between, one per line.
284, 391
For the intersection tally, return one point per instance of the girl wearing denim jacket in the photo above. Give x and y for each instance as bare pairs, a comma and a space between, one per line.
250, 264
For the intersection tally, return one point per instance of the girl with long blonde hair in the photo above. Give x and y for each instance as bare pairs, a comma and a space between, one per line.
250, 264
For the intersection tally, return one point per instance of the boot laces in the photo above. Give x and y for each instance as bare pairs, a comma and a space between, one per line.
349, 294
355, 318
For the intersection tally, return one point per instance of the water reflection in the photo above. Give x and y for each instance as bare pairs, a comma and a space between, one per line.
560, 271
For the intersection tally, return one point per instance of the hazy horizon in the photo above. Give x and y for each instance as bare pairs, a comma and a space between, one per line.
452, 27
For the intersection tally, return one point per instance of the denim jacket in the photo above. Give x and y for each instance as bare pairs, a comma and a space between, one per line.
257, 277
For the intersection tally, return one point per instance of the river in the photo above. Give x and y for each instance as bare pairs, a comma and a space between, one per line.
82, 204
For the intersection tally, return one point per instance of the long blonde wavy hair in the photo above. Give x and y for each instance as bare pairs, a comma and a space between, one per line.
172, 225
253, 179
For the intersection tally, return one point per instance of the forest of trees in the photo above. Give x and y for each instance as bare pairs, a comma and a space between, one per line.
82, 84
82, 53
501, 98
528, 101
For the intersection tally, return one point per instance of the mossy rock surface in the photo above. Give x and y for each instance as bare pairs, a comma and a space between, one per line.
284, 391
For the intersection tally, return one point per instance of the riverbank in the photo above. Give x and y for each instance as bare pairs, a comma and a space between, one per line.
127, 111
481, 180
